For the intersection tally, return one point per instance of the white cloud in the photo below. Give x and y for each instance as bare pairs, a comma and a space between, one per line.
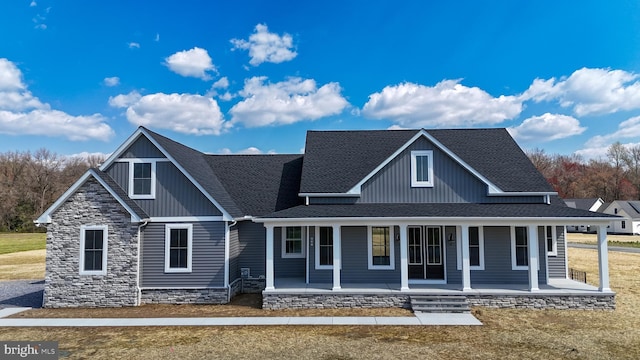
590, 91
598, 145
447, 104
124, 100
112, 81
23, 114
264, 46
547, 127
223, 83
193, 63
41, 27
134, 45
33, 4
248, 151
183, 113
157, 38
286, 102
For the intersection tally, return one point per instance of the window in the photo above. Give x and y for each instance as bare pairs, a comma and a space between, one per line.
380, 248
142, 176
552, 242
415, 246
519, 248
292, 242
93, 250
422, 168
624, 224
476, 249
324, 251
178, 247
434, 247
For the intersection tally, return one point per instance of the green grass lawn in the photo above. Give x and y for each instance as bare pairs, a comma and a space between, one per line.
14, 242
634, 244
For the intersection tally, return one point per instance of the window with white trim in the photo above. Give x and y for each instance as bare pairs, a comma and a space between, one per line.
324, 248
293, 242
552, 240
178, 247
422, 168
380, 248
93, 249
476, 249
519, 248
415, 246
142, 179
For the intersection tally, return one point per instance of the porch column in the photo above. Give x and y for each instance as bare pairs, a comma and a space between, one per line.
269, 260
404, 264
466, 265
603, 259
533, 257
337, 257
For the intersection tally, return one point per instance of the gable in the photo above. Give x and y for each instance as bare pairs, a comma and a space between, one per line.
451, 181
142, 148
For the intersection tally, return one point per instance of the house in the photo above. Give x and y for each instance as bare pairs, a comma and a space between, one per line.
363, 218
630, 213
592, 204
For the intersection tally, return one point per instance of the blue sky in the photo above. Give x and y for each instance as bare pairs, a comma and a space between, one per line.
254, 76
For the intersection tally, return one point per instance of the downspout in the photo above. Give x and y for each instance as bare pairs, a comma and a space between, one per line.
143, 223
227, 238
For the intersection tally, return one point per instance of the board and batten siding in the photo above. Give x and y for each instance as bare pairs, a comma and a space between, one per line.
557, 265
142, 148
175, 194
207, 258
452, 183
252, 247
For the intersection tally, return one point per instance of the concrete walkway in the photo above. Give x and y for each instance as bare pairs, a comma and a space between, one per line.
419, 320
611, 248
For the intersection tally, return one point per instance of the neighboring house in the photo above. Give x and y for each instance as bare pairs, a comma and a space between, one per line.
363, 218
593, 204
630, 213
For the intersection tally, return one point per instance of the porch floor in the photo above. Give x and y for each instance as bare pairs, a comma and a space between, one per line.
564, 287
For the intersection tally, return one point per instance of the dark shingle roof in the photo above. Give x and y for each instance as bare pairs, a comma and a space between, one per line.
584, 204
335, 161
194, 162
259, 184
448, 210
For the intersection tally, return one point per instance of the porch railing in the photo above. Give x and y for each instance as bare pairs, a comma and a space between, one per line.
578, 275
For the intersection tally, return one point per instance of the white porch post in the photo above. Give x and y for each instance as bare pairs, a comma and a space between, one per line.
269, 256
466, 267
337, 257
404, 264
533, 257
603, 259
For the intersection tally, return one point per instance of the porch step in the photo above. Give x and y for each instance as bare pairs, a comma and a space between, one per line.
440, 304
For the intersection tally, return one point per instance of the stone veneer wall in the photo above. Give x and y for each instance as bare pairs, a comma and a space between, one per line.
331, 301
184, 296
64, 286
253, 285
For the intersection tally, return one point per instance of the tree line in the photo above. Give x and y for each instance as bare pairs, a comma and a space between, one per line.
614, 177
31, 182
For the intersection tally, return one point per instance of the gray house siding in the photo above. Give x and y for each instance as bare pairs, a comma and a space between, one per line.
234, 253
207, 263
175, 194
286, 267
452, 183
454, 276
557, 265
251, 247
354, 261
142, 148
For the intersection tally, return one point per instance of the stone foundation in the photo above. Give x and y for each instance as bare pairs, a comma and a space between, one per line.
235, 288
185, 296
561, 302
333, 301
253, 285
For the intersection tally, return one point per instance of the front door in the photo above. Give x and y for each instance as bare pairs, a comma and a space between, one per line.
426, 253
